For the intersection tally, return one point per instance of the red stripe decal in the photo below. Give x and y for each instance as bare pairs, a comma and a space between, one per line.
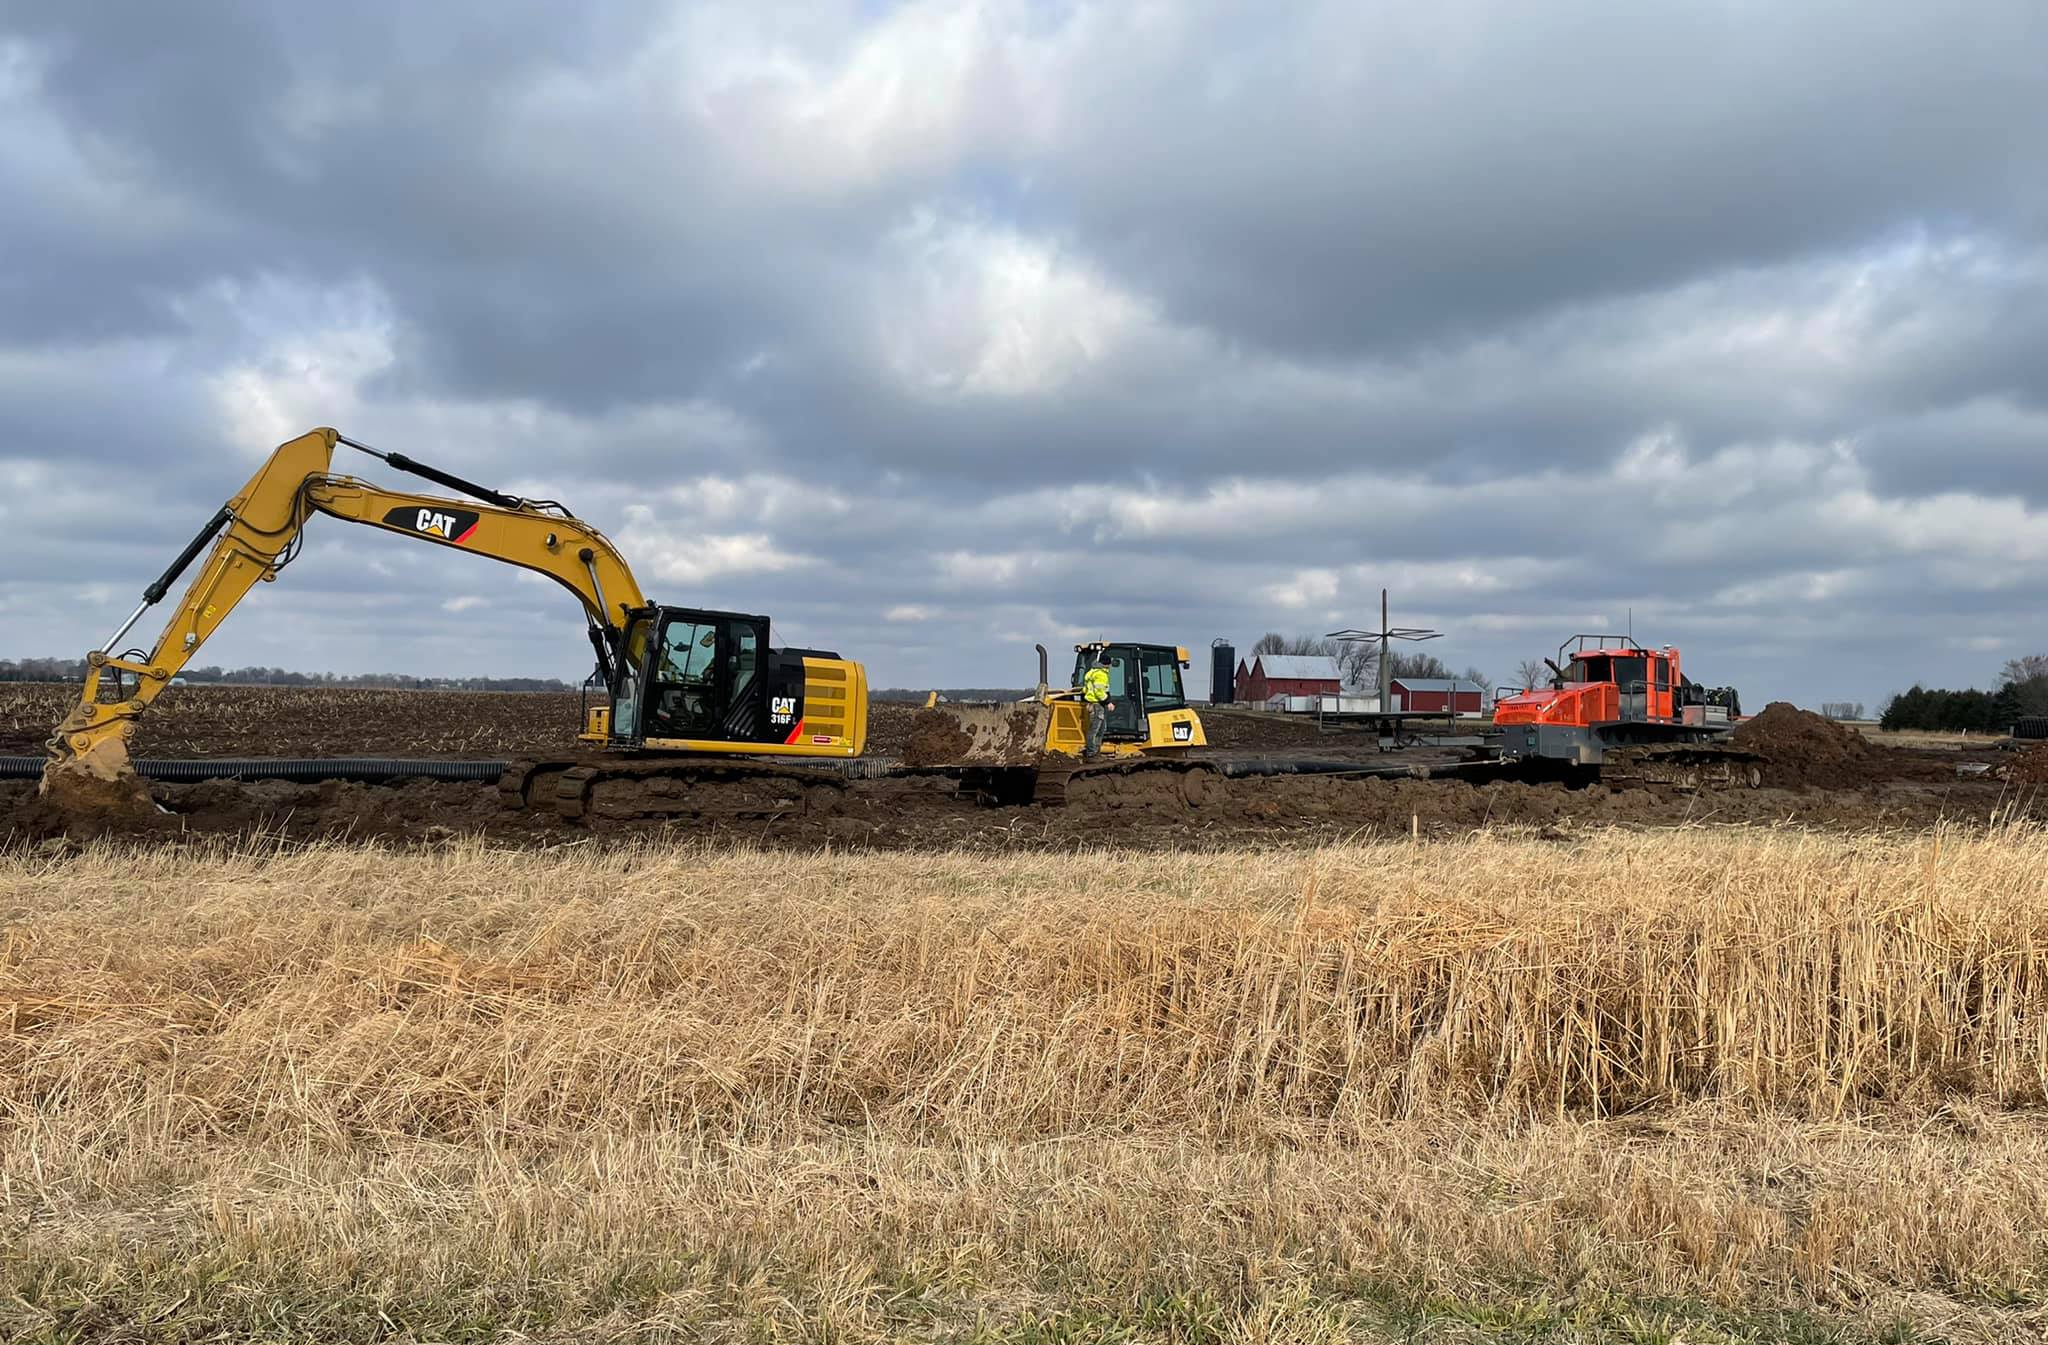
794, 733
465, 534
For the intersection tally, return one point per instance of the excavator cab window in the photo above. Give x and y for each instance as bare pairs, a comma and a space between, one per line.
632, 671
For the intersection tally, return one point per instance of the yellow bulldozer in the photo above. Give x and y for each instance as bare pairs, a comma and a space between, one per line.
1033, 750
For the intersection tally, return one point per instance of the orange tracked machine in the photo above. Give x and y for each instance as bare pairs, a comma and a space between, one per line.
1618, 710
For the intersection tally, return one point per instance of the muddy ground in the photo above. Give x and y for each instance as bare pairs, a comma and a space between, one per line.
928, 812
1815, 776
249, 721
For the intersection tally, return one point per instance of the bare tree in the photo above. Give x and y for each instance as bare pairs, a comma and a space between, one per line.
1273, 642
1482, 681
1417, 665
1356, 660
2024, 684
1532, 672
2026, 668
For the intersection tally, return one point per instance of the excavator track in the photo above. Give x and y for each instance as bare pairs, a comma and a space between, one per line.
1684, 766
669, 789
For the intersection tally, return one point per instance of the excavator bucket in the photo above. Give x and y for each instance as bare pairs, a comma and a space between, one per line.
980, 735
96, 787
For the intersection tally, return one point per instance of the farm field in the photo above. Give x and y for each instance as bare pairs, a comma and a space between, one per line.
1818, 776
1692, 1085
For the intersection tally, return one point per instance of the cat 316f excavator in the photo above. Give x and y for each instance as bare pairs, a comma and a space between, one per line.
689, 695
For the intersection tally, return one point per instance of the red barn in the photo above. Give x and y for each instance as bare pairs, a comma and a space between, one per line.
1270, 675
1435, 695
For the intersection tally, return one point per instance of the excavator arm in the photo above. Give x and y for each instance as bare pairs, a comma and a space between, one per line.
256, 534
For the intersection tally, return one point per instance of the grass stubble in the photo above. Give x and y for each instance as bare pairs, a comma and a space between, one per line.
1693, 1085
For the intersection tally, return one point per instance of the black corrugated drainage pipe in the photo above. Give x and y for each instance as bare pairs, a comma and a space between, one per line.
302, 770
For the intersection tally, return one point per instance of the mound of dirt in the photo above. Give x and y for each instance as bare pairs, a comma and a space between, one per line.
2029, 767
1802, 748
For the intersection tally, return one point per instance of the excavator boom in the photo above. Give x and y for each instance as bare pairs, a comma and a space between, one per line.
257, 532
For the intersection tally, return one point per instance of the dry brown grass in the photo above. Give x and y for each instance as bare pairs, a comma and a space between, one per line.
1675, 1082
1944, 739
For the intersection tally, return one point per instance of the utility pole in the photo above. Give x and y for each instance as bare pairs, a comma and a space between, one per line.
1386, 635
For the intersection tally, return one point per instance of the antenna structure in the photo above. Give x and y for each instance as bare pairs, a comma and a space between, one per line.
1386, 635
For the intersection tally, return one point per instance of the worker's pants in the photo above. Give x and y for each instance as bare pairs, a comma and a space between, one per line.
1098, 722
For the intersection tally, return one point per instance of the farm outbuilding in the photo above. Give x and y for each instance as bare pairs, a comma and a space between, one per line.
1270, 675
1438, 695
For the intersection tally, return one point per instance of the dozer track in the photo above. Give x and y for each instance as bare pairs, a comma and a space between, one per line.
1684, 766
586, 790
1058, 781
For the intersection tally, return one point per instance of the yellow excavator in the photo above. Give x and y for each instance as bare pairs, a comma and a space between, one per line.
683, 682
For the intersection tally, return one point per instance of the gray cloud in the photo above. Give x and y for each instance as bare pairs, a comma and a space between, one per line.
937, 330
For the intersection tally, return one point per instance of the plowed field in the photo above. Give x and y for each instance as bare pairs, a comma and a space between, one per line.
1815, 781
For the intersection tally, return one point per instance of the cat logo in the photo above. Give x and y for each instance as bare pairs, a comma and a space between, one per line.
781, 709
443, 525
1183, 732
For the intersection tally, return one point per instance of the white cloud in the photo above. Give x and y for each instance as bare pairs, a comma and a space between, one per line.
811, 109
465, 602
982, 310
907, 612
313, 350
1306, 588
684, 556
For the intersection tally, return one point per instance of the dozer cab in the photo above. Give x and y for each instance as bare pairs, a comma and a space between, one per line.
679, 687
1031, 751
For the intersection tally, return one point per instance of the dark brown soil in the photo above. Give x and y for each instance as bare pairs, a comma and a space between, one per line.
237, 721
936, 739
1820, 775
1264, 731
2029, 767
1803, 750
1143, 811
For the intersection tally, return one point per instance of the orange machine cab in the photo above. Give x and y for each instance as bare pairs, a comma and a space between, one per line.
1603, 686
1611, 693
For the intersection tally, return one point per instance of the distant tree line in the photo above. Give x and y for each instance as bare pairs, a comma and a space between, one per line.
73, 670
908, 694
2022, 691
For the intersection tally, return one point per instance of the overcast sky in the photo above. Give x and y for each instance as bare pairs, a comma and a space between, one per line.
936, 330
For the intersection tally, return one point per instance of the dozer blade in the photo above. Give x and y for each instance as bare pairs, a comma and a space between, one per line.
979, 735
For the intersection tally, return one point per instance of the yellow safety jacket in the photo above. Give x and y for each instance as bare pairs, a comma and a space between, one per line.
1095, 685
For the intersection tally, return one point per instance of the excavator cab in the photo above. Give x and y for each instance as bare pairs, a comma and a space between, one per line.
689, 679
